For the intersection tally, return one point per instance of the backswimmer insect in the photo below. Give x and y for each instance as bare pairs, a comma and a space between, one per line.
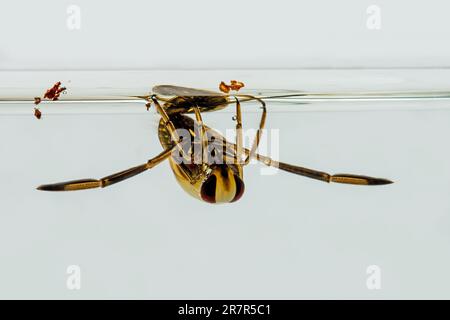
205, 165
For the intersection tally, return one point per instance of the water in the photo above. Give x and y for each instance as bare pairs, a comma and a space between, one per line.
288, 237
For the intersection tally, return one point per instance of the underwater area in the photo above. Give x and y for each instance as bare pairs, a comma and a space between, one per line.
288, 236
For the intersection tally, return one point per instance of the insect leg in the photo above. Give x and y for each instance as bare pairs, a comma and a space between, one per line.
262, 123
108, 180
239, 137
324, 176
166, 120
203, 137
175, 137
318, 175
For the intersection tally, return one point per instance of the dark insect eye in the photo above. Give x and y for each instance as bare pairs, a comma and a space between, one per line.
208, 190
240, 187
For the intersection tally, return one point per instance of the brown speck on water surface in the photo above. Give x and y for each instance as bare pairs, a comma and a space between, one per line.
234, 85
37, 113
52, 94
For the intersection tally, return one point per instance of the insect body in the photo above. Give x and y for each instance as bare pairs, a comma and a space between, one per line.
205, 165
205, 179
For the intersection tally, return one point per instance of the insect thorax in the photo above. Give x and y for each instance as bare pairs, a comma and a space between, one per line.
196, 160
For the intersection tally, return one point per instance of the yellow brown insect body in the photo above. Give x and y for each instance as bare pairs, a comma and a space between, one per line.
215, 182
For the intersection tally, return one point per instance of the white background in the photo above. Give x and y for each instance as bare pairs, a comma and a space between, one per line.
288, 237
223, 34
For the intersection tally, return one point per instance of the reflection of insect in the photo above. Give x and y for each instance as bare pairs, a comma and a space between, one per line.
211, 181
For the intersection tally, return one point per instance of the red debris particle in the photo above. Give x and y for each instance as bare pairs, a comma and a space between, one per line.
37, 113
54, 92
234, 85
51, 94
224, 88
